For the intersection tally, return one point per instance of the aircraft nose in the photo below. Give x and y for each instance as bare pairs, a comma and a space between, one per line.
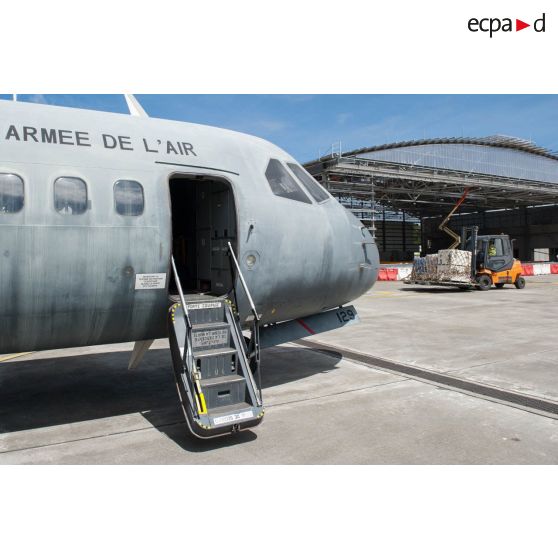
368, 255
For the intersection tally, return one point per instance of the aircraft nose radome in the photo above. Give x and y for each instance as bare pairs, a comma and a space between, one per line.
370, 257
365, 251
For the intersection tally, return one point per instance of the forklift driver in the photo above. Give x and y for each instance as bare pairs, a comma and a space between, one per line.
491, 249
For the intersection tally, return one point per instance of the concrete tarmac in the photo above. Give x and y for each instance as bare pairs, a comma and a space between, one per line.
501, 337
84, 406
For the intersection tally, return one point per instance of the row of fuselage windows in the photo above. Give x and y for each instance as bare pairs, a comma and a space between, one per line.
283, 183
70, 195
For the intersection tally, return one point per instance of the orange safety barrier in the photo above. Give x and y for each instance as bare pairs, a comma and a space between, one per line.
527, 269
387, 274
553, 268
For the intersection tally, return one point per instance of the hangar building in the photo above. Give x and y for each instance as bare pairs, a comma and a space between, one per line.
402, 191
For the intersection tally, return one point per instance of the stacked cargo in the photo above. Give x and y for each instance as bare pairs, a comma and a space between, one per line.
445, 266
431, 267
419, 269
454, 265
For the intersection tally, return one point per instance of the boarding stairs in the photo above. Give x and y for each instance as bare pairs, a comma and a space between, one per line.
217, 370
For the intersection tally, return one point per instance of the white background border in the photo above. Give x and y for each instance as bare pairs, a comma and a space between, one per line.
158, 511
275, 47
250, 46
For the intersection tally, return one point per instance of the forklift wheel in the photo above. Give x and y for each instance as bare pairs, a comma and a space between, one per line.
484, 282
499, 285
520, 282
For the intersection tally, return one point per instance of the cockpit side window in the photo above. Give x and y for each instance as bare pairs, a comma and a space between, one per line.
70, 195
128, 198
11, 193
316, 191
283, 184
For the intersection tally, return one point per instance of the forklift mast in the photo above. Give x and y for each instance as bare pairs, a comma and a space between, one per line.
443, 225
473, 242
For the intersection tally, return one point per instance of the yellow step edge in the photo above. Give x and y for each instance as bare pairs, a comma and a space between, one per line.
14, 355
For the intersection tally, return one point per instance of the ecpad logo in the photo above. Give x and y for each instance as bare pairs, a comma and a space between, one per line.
494, 24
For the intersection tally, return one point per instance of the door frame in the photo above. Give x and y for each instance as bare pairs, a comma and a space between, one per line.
197, 176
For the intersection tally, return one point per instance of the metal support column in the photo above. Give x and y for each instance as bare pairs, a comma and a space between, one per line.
404, 239
384, 229
373, 210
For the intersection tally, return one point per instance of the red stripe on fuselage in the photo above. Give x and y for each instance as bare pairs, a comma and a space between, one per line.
308, 329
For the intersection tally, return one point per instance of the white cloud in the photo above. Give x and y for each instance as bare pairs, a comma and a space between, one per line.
343, 117
41, 99
270, 125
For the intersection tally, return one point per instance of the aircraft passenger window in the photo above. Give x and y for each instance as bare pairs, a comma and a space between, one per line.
70, 196
11, 193
283, 184
316, 191
128, 198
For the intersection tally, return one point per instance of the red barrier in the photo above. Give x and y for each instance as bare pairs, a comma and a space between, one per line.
387, 274
527, 269
553, 268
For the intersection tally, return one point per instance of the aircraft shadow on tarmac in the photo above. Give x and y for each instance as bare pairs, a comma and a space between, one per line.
55, 391
436, 290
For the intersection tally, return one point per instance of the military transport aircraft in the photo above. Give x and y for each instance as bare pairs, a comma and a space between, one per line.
118, 228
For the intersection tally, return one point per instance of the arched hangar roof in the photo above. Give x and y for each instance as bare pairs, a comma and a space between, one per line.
495, 155
424, 176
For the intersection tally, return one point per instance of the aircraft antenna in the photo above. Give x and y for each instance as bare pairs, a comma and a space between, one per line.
134, 106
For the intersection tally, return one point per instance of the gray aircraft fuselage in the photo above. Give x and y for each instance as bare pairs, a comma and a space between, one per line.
102, 277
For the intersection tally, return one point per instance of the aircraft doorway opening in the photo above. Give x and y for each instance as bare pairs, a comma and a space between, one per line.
203, 222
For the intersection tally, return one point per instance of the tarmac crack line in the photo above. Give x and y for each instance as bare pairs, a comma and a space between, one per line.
487, 392
534, 353
166, 425
363, 388
107, 435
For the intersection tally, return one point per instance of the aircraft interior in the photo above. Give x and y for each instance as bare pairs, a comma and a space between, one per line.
203, 222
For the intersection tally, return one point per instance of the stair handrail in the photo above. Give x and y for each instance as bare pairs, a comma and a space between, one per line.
188, 356
255, 339
180, 293
243, 282
244, 352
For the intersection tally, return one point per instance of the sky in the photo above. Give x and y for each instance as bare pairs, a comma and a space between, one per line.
307, 126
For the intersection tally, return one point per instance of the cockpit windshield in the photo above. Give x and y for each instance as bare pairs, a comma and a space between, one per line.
316, 191
283, 184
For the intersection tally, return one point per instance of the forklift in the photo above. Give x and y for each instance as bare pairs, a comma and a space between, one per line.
492, 261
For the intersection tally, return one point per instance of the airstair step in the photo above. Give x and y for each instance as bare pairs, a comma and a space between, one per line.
224, 390
211, 336
210, 325
218, 362
236, 408
229, 414
200, 297
205, 309
220, 351
230, 379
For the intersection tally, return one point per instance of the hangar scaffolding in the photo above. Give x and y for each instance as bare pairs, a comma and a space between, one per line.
425, 178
